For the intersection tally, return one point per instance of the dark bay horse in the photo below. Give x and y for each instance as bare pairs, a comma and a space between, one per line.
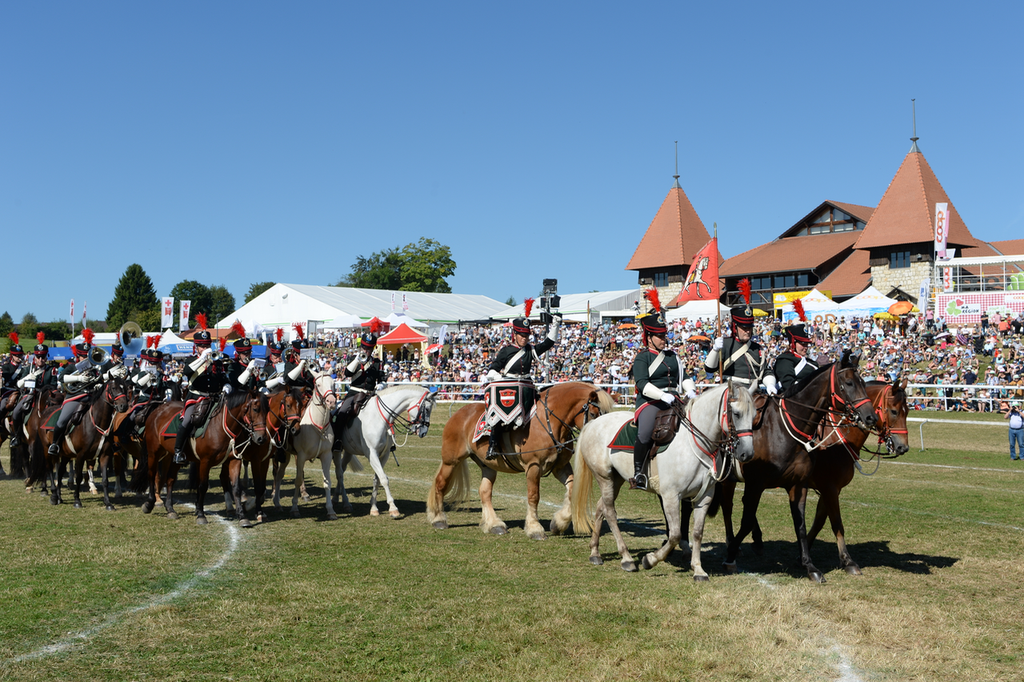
20, 455
90, 438
548, 446
237, 423
284, 410
835, 463
783, 454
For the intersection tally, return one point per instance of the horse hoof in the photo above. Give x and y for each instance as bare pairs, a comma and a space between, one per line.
629, 567
54, 501
305, 497
498, 530
261, 518
816, 576
597, 561
201, 521
347, 508
853, 569
374, 512
440, 525
246, 523
647, 563
295, 514
146, 508
395, 514
173, 516
109, 507
700, 578
730, 568
539, 535
332, 517
77, 505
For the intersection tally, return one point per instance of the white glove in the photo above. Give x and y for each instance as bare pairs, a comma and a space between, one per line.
275, 382
353, 366
492, 375
668, 398
770, 386
145, 379
719, 343
75, 378
252, 364
206, 353
227, 389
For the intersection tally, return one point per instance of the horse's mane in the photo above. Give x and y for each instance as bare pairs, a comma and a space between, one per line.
237, 397
399, 387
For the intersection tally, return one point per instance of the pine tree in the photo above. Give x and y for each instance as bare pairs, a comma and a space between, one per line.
134, 291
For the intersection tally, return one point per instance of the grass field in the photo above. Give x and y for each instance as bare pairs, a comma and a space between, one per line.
95, 595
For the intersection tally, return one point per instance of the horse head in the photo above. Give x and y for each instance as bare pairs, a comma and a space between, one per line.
323, 391
740, 413
115, 392
420, 414
289, 410
892, 413
849, 392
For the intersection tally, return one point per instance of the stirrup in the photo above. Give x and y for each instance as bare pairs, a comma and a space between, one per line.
638, 482
179, 457
54, 449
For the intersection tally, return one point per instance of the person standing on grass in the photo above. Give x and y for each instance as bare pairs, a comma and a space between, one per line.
1016, 432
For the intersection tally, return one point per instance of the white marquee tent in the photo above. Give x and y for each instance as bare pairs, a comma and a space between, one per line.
574, 307
866, 304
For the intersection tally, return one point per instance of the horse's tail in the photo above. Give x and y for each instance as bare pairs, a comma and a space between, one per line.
18, 462
455, 492
582, 487
605, 401
354, 464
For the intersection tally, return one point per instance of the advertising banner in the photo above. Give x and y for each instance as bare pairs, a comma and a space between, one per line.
941, 229
966, 308
167, 312
183, 315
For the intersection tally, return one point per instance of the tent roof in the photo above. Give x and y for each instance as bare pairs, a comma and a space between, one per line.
609, 302
870, 297
395, 319
403, 333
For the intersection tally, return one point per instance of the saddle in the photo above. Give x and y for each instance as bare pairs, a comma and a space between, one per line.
205, 411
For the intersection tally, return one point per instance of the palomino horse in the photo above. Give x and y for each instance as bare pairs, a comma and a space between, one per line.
237, 424
283, 414
719, 420
782, 447
90, 438
834, 466
546, 445
372, 435
314, 441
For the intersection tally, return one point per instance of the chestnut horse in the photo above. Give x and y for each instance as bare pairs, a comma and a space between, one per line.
782, 447
544, 445
237, 424
90, 438
834, 465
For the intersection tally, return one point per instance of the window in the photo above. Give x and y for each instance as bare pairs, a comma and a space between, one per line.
899, 259
661, 279
802, 280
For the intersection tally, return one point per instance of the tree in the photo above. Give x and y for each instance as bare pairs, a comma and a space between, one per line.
511, 301
57, 330
191, 290
134, 292
257, 289
28, 327
6, 324
149, 320
222, 303
422, 266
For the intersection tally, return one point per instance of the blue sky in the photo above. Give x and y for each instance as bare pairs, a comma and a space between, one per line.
238, 142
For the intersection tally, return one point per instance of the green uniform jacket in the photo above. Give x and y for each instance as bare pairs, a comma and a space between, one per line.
742, 368
666, 375
786, 373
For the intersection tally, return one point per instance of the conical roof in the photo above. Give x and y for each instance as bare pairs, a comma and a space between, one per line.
906, 213
674, 237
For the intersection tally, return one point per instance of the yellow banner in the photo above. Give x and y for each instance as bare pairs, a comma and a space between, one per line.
782, 298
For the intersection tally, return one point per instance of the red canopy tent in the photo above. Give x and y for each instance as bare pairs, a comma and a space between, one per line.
403, 333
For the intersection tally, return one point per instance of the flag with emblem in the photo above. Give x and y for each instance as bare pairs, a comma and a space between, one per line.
701, 282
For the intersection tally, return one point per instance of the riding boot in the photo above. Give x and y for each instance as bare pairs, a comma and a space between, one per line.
179, 444
639, 480
494, 443
58, 438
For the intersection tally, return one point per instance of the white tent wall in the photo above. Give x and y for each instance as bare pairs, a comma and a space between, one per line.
574, 307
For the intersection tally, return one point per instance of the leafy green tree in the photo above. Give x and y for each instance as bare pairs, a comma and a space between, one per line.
223, 303
422, 266
511, 300
257, 289
57, 330
190, 290
134, 292
150, 320
28, 327
6, 324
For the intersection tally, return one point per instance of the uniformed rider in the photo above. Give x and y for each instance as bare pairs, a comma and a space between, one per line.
273, 368
79, 381
148, 382
31, 381
365, 373
206, 378
9, 372
794, 365
514, 362
742, 357
659, 383
296, 372
243, 372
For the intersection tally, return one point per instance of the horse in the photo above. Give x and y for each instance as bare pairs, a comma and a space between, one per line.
372, 435
44, 398
834, 465
88, 439
544, 445
783, 447
314, 441
284, 410
242, 413
717, 421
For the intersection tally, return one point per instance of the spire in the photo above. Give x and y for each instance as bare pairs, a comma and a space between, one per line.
676, 176
914, 139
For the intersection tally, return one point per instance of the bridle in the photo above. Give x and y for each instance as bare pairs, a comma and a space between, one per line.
246, 422
726, 442
838, 405
424, 406
286, 421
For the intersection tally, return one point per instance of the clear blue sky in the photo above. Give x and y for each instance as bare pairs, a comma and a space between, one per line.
237, 142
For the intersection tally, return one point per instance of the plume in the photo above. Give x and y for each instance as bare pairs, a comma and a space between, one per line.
527, 307
298, 331
652, 297
744, 287
223, 343
279, 334
13, 336
201, 320
798, 306
237, 328
40, 337
87, 335
376, 326
152, 340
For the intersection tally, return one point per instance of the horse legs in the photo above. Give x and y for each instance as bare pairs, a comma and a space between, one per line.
299, 474
673, 521
606, 508
563, 517
700, 514
166, 487
828, 505
279, 469
339, 470
104, 472
204, 485
259, 480
751, 498
534, 530
489, 521
382, 478
56, 473
797, 506
325, 464
79, 477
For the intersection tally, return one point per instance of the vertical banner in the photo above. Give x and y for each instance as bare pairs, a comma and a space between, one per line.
167, 312
443, 333
84, 304
392, 301
405, 304
703, 273
947, 279
922, 292
183, 315
71, 315
941, 229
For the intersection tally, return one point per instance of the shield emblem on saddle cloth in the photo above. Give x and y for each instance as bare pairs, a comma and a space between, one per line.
507, 402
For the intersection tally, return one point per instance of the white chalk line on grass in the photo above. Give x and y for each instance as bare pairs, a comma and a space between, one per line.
183, 588
957, 466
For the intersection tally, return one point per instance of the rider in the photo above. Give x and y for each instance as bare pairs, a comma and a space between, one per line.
742, 356
42, 374
148, 379
272, 375
243, 374
9, 372
659, 381
366, 373
794, 365
79, 381
514, 362
296, 373
206, 378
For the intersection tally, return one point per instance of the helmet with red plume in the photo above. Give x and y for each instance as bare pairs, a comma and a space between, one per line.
41, 349
653, 322
15, 350
202, 337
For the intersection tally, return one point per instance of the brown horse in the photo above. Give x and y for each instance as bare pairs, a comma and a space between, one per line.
544, 445
834, 465
237, 423
20, 456
782, 449
84, 443
284, 410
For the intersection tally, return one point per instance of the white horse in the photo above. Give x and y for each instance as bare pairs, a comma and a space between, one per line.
372, 435
313, 442
719, 419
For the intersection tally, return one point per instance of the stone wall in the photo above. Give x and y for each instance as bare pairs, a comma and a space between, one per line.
885, 279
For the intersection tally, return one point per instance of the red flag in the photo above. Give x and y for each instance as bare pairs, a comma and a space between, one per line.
702, 280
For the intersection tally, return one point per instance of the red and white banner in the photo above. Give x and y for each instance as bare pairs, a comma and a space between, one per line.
185, 309
71, 315
947, 279
392, 301
941, 229
84, 304
966, 308
167, 312
405, 304
702, 280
